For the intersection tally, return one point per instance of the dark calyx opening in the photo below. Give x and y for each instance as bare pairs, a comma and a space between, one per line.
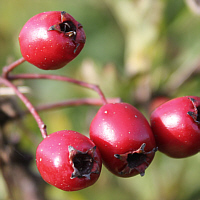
68, 27
196, 114
83, 163
135, 159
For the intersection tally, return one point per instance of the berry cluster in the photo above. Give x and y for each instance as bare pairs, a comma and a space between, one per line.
120, 135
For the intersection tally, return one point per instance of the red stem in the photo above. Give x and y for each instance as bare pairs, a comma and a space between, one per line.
61, 78
28, 104
9, 68
75, 102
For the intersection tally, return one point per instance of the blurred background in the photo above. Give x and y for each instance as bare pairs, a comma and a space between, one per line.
143, 51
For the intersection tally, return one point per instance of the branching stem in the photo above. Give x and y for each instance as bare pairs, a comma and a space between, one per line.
75, 102
28, 104
9, 68
61, 78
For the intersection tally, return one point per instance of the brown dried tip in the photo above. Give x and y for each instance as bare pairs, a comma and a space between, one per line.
83, 163
196, 114
135, 160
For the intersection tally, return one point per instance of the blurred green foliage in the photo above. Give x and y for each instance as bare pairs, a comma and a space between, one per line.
135, 50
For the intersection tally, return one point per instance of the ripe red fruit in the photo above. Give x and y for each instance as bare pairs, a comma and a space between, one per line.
124, 138
50, 40
176, 126
68, 160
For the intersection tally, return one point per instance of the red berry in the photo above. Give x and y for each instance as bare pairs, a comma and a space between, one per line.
176, 126
50, 40
124, 138
68, 160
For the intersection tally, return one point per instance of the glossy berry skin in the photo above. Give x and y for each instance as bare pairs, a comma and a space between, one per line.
68, 160
176, 127
50, 40
124, 138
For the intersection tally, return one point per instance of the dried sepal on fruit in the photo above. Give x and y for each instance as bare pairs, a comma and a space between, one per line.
134, 160
83, 163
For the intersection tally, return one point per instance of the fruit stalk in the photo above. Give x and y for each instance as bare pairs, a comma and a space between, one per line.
75, 102
61, 78
9, 68
28, 104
